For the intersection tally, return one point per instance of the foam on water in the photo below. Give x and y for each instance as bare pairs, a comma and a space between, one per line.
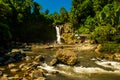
47, 67
85, 70
77, 70
88, 70
110, 64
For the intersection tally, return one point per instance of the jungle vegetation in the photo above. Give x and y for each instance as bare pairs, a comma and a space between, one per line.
22, 20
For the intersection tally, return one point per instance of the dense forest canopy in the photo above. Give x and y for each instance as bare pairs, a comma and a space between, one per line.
22, 20
99, 18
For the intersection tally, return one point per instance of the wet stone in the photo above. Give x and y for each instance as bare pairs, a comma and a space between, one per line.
4, 77
65, 56
2, 69
14, 70
22, 65
38, 58
1, 73
40, 78
28, 58
53, 62
35, 74
11, 65
24, 79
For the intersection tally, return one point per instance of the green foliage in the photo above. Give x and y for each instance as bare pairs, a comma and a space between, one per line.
25, 20
102, 34
4, 11
82, 30
61, 18
110, 48
99, 18
5, 34
46, 12
64, 15
80, 11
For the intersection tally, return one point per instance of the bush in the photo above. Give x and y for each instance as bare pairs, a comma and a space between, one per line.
110, 48
5, 36
102, 34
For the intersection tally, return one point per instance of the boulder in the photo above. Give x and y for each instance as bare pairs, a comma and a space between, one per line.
22, 65
53, 62
11, 65
65, 56
16, 55
38, 58
14, 70
4, 77
16, 50
28, 58
116, 56
35, 74
97, 50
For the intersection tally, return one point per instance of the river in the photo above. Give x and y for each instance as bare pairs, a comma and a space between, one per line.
89, 67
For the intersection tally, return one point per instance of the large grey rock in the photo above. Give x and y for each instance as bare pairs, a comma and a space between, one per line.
65, 56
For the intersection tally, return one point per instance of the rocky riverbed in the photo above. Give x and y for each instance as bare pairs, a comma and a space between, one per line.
38, 62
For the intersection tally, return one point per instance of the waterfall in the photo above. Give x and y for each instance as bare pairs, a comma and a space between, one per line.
58, 34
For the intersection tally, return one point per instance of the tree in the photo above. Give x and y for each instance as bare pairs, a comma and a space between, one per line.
64, 15
5, 36
81, 9
46, 12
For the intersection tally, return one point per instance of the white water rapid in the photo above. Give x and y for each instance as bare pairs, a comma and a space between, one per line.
58, 34
89, 67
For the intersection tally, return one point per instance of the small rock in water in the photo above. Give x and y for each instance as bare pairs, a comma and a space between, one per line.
53, 62
16, 50
4, 77
28, 58
40, 78
1, 73
36, 74
38, 58
24, 79
22, 65
116, 56
54, 72
2, 69
14, 70
11, 65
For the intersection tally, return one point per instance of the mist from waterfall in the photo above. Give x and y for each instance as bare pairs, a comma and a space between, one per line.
58, 35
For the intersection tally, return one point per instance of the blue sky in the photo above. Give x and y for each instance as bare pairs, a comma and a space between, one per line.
54, 5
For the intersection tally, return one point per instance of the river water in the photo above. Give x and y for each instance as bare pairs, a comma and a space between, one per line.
89, 67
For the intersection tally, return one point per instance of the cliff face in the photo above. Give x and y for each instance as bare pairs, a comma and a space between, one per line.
67, 34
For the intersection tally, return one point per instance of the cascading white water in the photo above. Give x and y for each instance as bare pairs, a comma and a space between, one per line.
58, 34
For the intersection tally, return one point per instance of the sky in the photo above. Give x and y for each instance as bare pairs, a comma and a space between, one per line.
54, 5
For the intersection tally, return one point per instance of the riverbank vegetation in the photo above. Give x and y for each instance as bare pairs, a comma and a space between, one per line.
23, 21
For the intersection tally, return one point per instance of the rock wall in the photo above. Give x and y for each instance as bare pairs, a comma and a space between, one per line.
67, 34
